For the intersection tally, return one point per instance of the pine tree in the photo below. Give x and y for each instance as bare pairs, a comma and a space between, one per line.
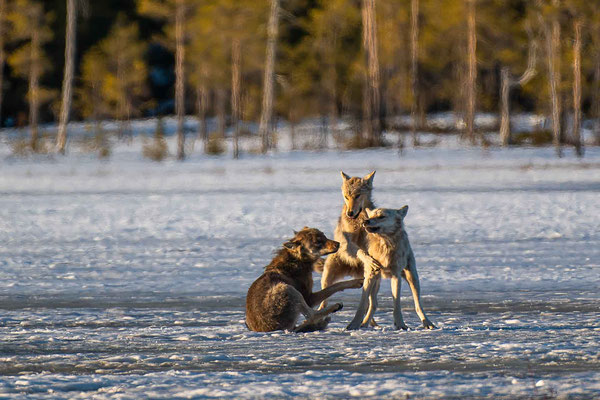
30, 26
325, 54
115, 70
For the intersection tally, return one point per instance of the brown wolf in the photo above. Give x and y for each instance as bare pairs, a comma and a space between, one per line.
284, 291
388, 243
351, 234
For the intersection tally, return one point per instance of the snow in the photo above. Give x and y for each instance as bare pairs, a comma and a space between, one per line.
127, 278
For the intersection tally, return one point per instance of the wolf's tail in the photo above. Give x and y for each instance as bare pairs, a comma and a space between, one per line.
319, 265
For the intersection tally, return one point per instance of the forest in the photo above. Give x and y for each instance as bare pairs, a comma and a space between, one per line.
247, 64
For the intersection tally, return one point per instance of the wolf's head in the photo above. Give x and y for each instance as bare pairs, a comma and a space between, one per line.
310, 243
384, 221
357, 193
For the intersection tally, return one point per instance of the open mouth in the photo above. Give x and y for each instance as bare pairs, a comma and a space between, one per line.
356, 214
372, 229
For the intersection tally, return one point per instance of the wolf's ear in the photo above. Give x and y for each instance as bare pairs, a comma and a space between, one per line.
369, 212
290, 245
403, 211
296, 232
369, 178
344, 176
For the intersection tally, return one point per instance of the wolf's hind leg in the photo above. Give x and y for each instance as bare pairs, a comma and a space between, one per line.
411, 276
316, 320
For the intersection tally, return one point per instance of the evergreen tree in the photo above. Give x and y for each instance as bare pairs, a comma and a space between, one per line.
115, 70
30, 27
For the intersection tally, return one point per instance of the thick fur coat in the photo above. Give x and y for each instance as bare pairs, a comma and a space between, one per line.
284, 291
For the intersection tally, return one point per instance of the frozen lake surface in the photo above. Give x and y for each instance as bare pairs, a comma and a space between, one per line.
127, 279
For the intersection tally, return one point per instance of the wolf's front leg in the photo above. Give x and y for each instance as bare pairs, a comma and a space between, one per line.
372, 306
327, 278
369, 262
398, 320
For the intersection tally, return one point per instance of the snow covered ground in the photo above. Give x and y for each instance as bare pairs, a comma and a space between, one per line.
127, 278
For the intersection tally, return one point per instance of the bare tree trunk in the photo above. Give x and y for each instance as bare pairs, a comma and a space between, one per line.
67, 87
414, 65
221, 99
372, 112
577, 88
266, 115
472, 71
507, 83
293, 132
202, 105
3, 28
596, 97
179, 77
505, 79
34, 89
552, 45
236, 77
332, 84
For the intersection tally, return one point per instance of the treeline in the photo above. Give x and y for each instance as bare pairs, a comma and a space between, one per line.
258, 60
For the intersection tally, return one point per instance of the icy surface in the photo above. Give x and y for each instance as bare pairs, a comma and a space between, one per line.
127, 279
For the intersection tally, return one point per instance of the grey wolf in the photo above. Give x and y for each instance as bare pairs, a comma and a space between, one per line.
351, 234
284, 291
387, 242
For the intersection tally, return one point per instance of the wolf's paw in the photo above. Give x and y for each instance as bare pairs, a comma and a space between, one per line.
337, 307
353, 326
401, 325
356, 283
373, 268
427, 324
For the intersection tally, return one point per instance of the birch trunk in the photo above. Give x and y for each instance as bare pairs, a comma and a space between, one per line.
577, 88
552, 45
202, 104
372, 101
332, 83
505, 135
221, 99
471, 72
507, 83
236, 77
266, 114
179, 77
3, 28
34, 89
414, 65
67, 87
596, 96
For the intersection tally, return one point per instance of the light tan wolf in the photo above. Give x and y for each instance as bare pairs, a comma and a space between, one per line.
351, 234
388, 244
284, 291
